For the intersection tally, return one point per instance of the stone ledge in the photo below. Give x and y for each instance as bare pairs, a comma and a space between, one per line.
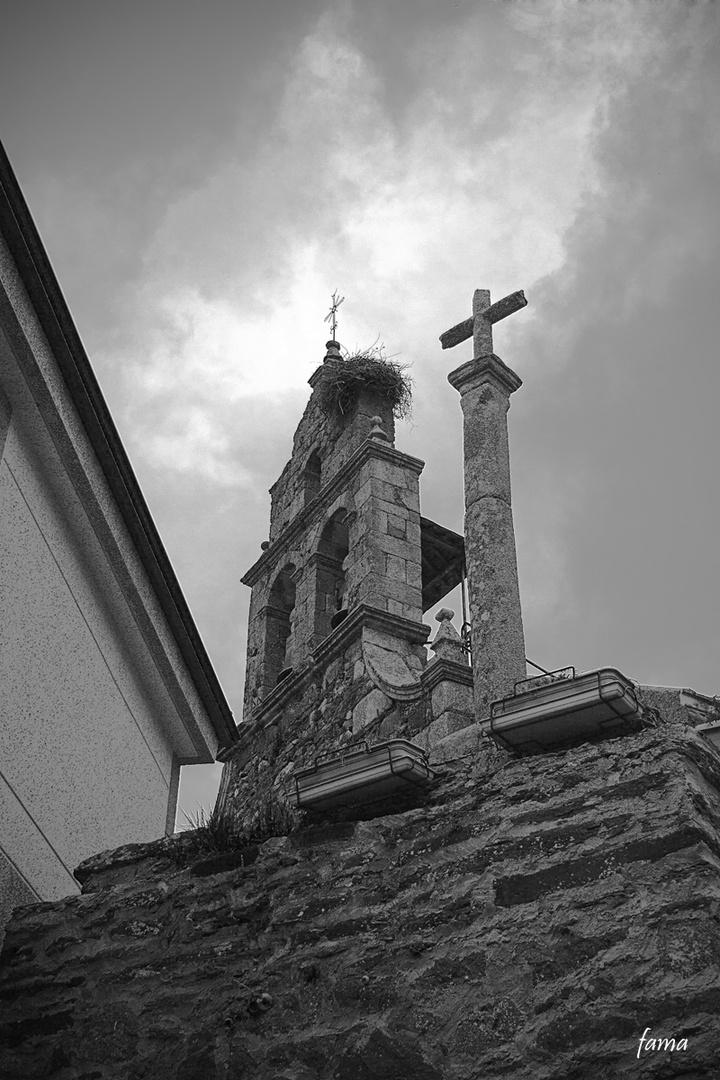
371, 448
488, 368
439, 671
364, 615
128, 854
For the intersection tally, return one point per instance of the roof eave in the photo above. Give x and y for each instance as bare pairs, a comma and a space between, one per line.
39, 280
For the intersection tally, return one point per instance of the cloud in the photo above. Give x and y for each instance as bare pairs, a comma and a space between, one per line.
407, 165
405, 217
657, 157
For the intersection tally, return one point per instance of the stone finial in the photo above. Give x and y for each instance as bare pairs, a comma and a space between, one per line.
447, 644
333, 351
376, 431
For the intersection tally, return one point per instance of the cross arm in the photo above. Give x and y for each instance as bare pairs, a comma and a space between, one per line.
462, 331
458, 333
505, 307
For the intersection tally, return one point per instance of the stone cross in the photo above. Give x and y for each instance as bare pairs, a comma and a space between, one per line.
485, 384
479, 325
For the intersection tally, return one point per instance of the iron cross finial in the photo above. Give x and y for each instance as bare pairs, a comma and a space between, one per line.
331, 317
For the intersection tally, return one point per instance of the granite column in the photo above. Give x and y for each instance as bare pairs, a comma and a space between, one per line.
498, 644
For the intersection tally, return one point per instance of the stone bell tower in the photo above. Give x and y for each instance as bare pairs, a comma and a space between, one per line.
336, 639
344, 537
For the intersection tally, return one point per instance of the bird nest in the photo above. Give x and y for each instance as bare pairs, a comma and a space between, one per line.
369, 370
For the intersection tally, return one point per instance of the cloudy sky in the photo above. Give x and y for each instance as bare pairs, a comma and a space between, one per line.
205, 175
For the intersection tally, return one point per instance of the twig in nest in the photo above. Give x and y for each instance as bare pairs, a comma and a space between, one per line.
366, 370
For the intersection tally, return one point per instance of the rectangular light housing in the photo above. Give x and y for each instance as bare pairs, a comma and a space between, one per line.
565, 709
361, 776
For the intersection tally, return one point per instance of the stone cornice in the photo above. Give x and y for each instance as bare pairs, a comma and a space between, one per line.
366, 616
439, 671
325, 561
371, 448
268, 711
274, 611
488, 368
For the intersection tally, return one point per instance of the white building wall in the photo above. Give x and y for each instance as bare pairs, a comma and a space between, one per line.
45, 415
97, 707
84, 761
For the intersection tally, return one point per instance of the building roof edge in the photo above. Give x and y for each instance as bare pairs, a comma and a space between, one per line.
40, 281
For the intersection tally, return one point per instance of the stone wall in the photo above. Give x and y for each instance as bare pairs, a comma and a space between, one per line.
364, 684
530, 921
14, 890
317, 712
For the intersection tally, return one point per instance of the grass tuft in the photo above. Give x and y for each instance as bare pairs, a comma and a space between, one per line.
217, 833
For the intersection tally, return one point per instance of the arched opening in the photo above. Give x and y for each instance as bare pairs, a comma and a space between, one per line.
333, 549
312, 477
279, 643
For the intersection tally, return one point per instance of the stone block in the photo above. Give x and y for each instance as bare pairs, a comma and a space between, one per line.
363, 493
452, 695
391, 545
361, 567
391, 725
421, 739
396, 506
413, 575
390, 668
370, 584
459, 744
331, 673
446, 725
390, 472
435, 731
372, 706
396, 526
409, 611
400, 590
667, 700
413, 531
394, 493
353, 652
396, 568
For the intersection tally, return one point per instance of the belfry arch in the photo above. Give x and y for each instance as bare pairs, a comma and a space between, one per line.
331, 582
279, 627
312, 477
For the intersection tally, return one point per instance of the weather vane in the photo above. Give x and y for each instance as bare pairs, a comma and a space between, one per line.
331, 316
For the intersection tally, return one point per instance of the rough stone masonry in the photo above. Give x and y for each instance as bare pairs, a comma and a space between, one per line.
529, 921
